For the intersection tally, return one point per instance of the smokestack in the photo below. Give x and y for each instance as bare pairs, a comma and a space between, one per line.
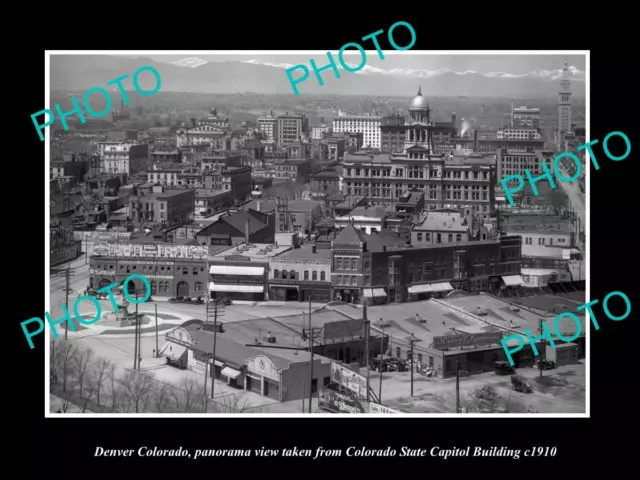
475, 140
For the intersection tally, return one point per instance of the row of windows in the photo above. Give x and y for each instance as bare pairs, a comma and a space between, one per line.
438, 237
292, 275
542, 240
151, 268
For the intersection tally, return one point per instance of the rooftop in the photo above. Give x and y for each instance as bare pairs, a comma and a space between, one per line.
559, 227
255, 251
326, 174
450, 221
305, 252
360, 213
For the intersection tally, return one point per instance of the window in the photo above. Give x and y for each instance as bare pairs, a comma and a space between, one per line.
427, 237
439, 238
199, 287
420, 357
153, 287
322, 275
314, 275
195, 270
339, 280
276, 274
292, 275
398, 352
353, 264
338, 263
419, 237
354, 280
458, 237
450, 237
306, 274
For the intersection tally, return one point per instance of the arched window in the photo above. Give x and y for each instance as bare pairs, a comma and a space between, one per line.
285, 274
153, 287
292, 274
314, 275
306, 274
276, 274
199, 287
322, 275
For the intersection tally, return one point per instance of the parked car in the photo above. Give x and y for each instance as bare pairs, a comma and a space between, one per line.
520, 384
546, 364
503, 368
198, 301
176, 299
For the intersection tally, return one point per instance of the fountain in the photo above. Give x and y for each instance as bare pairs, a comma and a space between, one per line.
124, 318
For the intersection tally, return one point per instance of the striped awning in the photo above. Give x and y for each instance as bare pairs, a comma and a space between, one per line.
420, 288
235, 270
512, 280
217, 287
441, 287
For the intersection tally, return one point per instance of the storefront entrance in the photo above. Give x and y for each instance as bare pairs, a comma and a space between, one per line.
183, 289
291, 295
254, 384
271, 389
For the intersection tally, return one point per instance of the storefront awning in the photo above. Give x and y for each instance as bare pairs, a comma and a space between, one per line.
216, 287
379, 292
441, 287
367, 292
230, 372
512, 280
420, 289
173, 350
235, 270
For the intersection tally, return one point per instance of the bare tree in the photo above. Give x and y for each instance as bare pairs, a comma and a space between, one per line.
114, 392
176, 394
55, 369
231, 404
66, 401
83, 362
67, 354
138, 386
92, 386
101, 375
161, 397
484, 400
191, 391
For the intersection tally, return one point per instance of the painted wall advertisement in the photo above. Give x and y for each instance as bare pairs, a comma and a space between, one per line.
448, 341
335, 399
375, 408
350, 380
154, 251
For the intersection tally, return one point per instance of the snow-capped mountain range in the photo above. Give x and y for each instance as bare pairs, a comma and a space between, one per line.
192, 74
576, 74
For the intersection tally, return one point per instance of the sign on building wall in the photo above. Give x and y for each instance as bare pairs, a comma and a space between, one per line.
166, 251
349, 379
334, 400
261, 365
343, 329
375, 408
179, 335
448, 341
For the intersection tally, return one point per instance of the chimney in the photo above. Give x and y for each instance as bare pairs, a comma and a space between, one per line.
313, 248
193, 122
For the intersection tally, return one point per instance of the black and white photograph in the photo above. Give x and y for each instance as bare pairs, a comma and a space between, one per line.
274, 233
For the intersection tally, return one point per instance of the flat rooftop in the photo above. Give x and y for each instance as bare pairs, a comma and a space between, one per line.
255, 251
305, 252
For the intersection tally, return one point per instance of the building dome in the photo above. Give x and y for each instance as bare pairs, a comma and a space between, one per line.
419, 101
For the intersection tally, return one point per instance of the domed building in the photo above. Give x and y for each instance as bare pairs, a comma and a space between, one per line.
419, 127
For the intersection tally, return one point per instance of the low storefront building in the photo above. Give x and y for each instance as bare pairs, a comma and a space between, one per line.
301, 273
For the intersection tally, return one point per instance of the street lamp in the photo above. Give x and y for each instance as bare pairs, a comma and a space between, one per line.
412, 339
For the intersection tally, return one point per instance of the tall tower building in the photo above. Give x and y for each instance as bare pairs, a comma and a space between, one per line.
564, 106
419, 128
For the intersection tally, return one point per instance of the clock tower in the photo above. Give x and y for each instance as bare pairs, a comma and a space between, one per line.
564, 106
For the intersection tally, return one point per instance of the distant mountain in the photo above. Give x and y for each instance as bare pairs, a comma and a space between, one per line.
73, 72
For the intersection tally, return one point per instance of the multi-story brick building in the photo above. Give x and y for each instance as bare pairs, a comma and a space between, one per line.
364, 266
290, 128
153, 204
457, 182
235, 179
125, 158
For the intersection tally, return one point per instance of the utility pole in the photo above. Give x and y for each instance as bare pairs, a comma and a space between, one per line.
135, 334
366, 345
157, 351
66, 290
457, 386
311, 352
206, 374
381, 359
412, 339
540, 331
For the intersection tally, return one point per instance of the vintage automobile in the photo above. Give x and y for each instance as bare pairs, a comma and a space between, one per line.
546, 364
520, 384
503, 368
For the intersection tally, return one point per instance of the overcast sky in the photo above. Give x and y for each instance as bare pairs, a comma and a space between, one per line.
520, 63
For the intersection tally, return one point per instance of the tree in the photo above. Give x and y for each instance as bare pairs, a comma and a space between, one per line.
231, 404
190, 389
91, 390
55, 365
114, 393
67, 355
161, 396
101, 375
83, 362
66, 401
138, 386
484, 400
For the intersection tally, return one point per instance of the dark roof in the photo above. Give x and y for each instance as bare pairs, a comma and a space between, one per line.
238, 221
226, 349
349, 236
